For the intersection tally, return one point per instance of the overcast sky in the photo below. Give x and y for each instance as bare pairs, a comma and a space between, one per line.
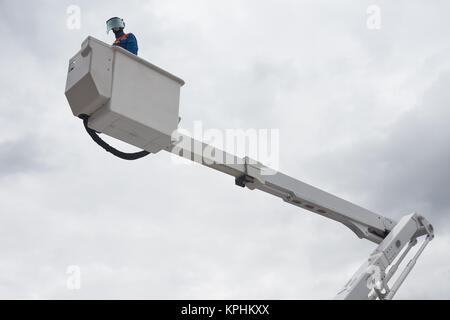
362, 113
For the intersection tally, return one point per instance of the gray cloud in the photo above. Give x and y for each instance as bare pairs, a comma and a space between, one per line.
361, 113
407, 168
21, 157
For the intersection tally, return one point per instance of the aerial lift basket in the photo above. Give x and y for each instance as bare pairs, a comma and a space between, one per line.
124, 96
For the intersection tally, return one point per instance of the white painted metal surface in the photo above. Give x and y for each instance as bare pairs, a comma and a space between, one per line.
125, 96
371, 279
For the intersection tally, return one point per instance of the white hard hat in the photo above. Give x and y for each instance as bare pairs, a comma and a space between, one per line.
115, 22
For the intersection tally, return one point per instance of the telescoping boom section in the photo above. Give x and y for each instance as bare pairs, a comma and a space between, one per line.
126, 97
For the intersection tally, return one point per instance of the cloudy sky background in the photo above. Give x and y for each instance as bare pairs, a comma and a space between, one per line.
362, 114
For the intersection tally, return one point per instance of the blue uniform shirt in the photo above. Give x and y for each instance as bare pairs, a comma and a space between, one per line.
128, 42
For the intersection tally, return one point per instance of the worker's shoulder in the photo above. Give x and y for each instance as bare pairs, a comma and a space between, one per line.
131, 35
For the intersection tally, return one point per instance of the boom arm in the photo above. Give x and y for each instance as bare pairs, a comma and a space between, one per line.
130, 99
371, 280
249, 173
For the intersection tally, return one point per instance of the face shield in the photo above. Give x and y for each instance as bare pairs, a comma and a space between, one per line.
114, 23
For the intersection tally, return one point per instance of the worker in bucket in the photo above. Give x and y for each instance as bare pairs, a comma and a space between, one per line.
125, 40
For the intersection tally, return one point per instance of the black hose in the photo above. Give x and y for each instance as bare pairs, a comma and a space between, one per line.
107, 147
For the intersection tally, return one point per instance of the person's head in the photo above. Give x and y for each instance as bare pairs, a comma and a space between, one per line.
115, 24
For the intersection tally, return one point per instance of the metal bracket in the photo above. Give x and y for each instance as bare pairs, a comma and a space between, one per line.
242, 181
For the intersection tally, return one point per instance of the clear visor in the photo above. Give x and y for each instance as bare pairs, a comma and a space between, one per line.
114, 23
